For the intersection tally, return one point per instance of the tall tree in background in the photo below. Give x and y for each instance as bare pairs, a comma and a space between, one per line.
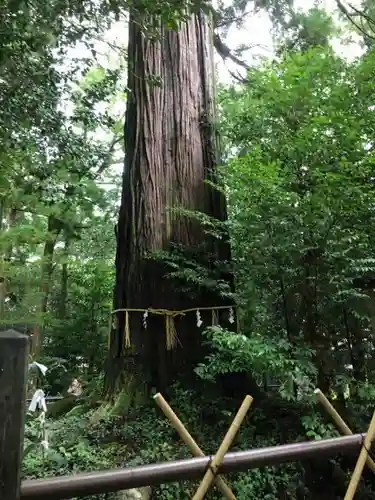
170, 153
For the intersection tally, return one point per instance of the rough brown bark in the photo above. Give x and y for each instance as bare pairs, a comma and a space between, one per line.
170, 153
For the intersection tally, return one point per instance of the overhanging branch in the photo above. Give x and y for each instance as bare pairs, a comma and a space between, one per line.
225, 52
357, 13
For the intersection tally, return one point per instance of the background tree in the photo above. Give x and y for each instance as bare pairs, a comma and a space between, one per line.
314, 157
361, 18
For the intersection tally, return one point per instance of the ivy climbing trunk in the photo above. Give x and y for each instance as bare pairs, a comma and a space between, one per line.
170, 154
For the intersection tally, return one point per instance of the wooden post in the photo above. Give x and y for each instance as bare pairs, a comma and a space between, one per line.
211, 472
14, 348
189, 441
353, 485
339, 422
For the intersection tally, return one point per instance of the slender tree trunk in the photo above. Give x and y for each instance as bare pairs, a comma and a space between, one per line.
170, 153
6, 255
54, 229
357, 347
64, 280
2, 277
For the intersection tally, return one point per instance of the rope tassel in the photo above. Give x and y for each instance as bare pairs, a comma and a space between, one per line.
170, 328
215, 318
170, 332
127, 330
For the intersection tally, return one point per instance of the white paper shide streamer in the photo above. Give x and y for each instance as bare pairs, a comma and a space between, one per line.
199, 319
231, 315
38, 401
42, 368
144, 319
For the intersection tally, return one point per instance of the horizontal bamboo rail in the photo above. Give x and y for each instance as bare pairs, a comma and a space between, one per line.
13, 363
92, 483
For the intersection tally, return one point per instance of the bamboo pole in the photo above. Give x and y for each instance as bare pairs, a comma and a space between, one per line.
94, 483
189, 441
339, 422
352, 488
223, 448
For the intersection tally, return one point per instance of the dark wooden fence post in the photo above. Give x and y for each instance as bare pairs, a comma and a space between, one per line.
14, 348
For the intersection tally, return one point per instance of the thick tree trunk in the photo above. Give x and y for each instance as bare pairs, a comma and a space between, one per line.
170, 153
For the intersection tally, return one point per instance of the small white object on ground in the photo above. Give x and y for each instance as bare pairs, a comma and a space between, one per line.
38, 401
135, 494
